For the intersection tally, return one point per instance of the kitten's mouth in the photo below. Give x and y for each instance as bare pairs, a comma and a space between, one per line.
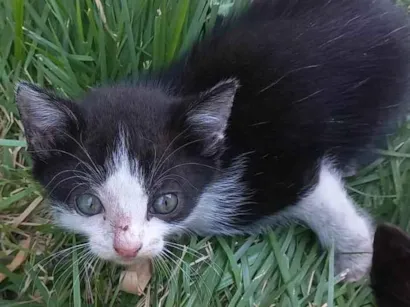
127, 261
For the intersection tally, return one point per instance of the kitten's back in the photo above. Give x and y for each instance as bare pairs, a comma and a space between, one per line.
307, 64
317, 78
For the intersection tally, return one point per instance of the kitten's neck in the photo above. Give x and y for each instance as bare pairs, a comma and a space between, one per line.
221, 202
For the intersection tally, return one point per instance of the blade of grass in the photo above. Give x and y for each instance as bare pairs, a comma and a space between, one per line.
331, 278
283, 267
12, 143
176, 27
18, 10
76, 278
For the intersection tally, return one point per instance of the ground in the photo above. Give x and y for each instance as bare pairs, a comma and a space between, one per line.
75, 44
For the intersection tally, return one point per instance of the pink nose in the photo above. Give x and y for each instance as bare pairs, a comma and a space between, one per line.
129, 251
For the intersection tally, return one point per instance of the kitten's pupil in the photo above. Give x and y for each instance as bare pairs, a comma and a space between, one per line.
167, 200
91, 204
88, 201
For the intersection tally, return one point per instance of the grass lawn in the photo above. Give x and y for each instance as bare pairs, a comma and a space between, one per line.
71, 45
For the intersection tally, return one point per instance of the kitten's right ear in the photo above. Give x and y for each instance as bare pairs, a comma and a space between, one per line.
208, 116
48, 120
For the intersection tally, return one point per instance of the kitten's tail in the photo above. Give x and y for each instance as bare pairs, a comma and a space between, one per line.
390, 273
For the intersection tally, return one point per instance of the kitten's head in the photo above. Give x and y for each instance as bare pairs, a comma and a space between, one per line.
127, 165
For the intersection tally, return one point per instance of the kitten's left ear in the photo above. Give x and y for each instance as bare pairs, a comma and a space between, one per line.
208, 117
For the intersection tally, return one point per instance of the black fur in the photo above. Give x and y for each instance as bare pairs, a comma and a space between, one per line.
316, 79
390, 274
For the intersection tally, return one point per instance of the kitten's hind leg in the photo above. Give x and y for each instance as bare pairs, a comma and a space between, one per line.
329, 211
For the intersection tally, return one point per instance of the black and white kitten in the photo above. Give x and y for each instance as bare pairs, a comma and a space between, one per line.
252, 127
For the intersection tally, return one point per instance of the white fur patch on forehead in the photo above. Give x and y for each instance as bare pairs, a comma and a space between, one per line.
119, 157
123, 192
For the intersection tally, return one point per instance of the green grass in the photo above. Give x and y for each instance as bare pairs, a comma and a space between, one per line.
71, 45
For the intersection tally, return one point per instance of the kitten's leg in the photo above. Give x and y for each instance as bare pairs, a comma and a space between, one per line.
332, 215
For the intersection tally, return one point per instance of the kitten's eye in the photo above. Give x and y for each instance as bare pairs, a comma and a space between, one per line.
88, 204
165, 204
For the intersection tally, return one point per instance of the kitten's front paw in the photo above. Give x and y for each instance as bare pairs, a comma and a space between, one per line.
354, 249
354, 266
